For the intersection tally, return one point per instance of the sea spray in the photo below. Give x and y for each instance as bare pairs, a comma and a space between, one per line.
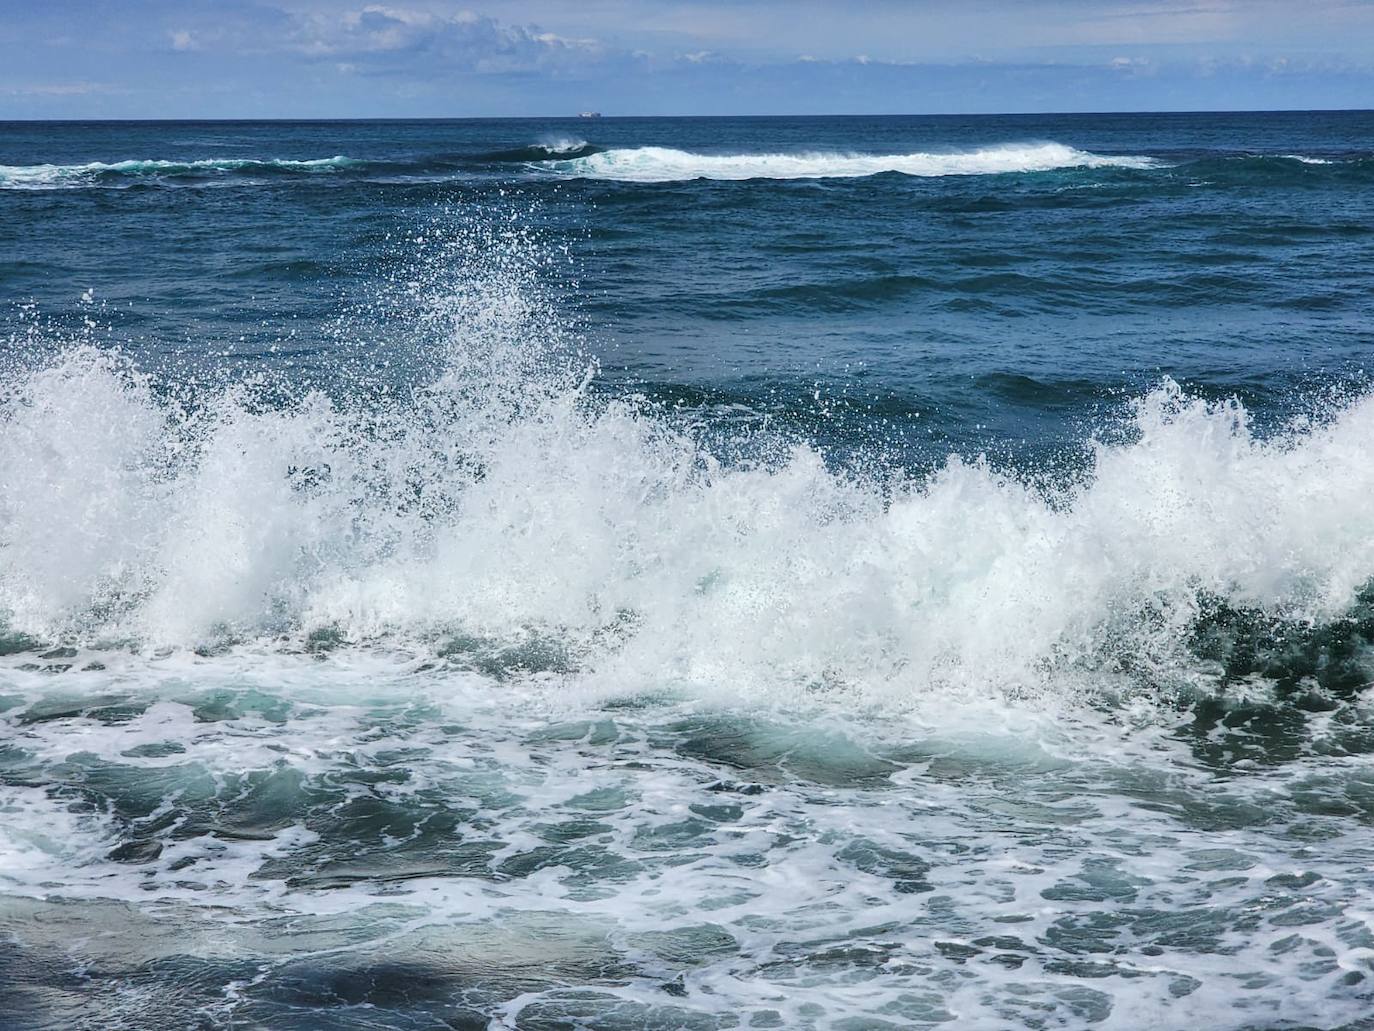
496, 500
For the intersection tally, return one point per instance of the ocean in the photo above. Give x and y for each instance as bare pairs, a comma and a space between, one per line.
809, 573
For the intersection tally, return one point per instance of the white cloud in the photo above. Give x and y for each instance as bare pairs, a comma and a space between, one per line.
379, 37
183, 39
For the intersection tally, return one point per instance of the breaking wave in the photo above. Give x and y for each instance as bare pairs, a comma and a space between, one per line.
47, 176
663, 164
501, 512
574, 157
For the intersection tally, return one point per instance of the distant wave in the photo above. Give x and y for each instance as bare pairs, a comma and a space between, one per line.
562, 147
1281, 169
664, 164
573, 157
48, 176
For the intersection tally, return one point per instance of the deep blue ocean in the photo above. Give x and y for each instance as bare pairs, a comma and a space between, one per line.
845, 573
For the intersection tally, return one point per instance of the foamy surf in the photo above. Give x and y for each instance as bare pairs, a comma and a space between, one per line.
47, 176
665, 164
259, 844
502, 510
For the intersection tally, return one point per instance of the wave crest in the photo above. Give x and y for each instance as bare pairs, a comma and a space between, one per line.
501, 505
664, 164
48, 176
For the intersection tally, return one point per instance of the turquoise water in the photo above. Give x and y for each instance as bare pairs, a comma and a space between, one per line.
806, 573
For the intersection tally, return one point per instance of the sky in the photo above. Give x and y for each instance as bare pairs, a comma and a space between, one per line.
471, 58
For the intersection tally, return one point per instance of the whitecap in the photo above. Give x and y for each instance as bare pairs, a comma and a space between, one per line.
664, 164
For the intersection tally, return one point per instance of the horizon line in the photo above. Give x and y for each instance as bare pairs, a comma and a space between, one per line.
604, 117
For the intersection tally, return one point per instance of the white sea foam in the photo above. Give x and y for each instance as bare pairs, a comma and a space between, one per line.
556, 145
47, 176
1010, 865
501, 505
664, 164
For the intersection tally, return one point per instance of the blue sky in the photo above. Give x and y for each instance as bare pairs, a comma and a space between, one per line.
353, 58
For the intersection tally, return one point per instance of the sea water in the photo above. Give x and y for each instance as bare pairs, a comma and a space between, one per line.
702, 573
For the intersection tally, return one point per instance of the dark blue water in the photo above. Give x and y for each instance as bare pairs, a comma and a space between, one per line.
674, 573
995, 307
